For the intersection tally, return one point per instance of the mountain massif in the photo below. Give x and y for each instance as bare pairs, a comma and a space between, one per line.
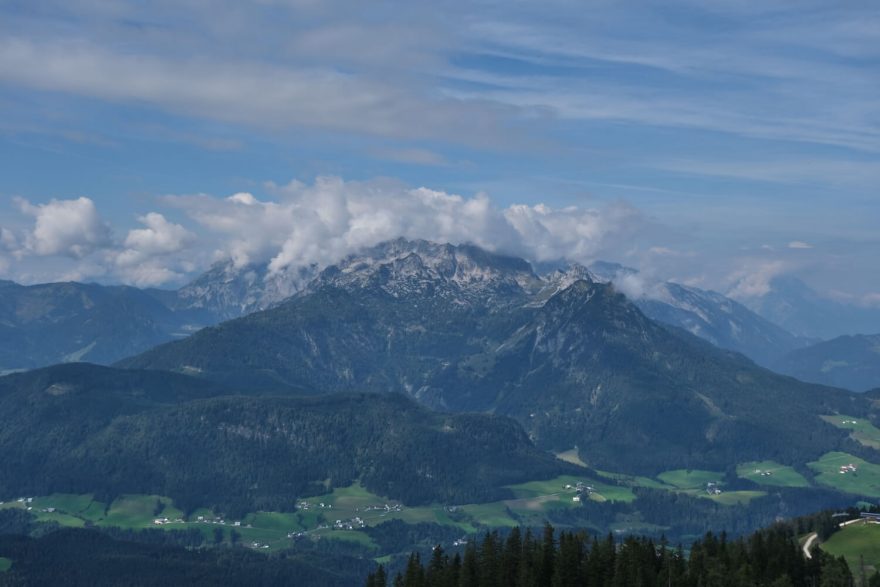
63, 322
851, 362
573, 360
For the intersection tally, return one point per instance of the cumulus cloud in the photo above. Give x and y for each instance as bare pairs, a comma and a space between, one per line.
145, 261
69, 241
65, 227
322, 222
799, 245
159, 237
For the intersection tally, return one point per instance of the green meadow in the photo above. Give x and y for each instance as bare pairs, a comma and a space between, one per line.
865, 480
856, 542
771, 473
690, 478
736, 497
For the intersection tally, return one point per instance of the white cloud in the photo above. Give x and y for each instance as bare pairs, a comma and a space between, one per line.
755, 280
322, 222
160, 237
65, 227
799, 245
261, 93
871, 300
8, 242
148, 257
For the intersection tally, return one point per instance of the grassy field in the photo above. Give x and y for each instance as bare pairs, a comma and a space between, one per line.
556, 487
780, 475
5, 564
736, 497
861, 430
635, 480
689, 478
864, 481
270, 530
855, 541
138, 511
316, 517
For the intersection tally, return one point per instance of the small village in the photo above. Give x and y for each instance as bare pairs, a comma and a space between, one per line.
581, 488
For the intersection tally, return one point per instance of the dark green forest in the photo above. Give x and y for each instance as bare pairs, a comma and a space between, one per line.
770, 557
89, 429
84, 558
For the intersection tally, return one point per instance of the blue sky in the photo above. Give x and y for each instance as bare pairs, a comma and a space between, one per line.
718, 143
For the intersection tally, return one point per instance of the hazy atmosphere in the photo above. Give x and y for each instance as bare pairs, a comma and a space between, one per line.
718, 144
344, 293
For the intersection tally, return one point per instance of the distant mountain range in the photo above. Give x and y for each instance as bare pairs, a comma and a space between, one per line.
851, 362
62, 322
709, 315
574, 361
796, 307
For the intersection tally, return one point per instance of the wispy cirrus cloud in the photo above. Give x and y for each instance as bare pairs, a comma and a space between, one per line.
254, 93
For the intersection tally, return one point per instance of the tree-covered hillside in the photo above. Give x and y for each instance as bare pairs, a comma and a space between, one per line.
83, 429
583, 368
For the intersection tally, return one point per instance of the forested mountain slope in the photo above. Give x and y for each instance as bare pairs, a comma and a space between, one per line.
464, 329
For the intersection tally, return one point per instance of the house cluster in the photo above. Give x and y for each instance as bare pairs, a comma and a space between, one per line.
258, 545
763, 473
351, 524
26, 501
221, 521
199, 520
845, 422
304, 505
461, 541
383, 508
850, 468
712, 488
581, 488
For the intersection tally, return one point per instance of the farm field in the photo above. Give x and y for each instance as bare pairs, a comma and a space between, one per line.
736, 497
557, 487
5, 564
865, 480
635, 480
854, 542
771, 473
862, 430
346, 512
690, 478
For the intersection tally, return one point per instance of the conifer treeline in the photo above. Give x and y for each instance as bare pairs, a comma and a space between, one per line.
770, 557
